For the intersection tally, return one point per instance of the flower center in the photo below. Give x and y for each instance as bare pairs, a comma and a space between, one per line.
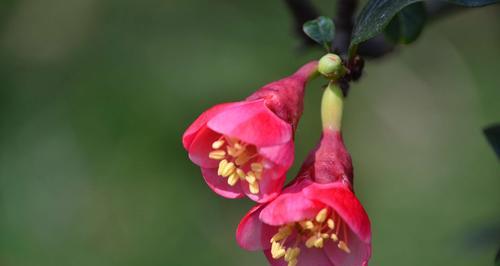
238, 161
326, 226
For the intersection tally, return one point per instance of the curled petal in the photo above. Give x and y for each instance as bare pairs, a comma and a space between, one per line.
201, 122
279, 154
290, 206
201, 146
338, 196
359, 256
252, 234
270, 185
253, 123
219, 185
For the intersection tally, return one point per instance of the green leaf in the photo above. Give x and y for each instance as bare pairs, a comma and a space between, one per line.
407, 25
321, 30
493, 135
376, 14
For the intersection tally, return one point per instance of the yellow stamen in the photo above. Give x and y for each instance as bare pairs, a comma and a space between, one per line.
334, 237
307, 225
257, 167
233, 179
217, 144
240, 173
293, 262
254, 187
229, 168
325, 235
331, 223
292, 254
277, 251
250, 177
321, 216
343, 246
318, 242
282, 233
222, 164
310, 241
217, 155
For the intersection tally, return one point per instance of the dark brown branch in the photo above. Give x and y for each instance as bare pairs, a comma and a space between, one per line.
303, 11
344, 23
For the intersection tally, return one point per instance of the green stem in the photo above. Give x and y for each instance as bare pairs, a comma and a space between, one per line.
332, 105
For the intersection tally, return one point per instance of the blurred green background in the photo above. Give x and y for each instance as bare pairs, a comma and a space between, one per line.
95, 95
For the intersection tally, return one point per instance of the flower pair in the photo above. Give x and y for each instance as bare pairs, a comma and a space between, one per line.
246, 148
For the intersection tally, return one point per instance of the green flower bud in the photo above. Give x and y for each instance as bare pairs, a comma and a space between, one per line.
330, 66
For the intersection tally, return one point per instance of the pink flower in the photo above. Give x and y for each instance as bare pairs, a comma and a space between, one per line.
317, 220
309, 224
246, 147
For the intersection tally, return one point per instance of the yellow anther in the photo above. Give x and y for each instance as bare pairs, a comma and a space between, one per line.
257, 167
293, 262
217, 155
254, 187
325, 235
331, 223
292, 254
334, 237
308, 225
310, 241
277, 251
233, 179
228, 169
321, 216
240, 173
282, 233
222, 164
343, 246
217, 144
251, 177
318, 242
288, 254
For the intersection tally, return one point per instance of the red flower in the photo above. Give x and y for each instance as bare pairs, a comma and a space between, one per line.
309, 224
317, 220
246, 147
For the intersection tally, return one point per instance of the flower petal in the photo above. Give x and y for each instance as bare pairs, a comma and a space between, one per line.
359, 256
270, 184
279, 154
338, 196
252, 234
219, 185
201, 146
290, 206
253, 123
201, 121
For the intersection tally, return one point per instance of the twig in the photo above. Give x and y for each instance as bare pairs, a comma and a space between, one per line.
303, 11
344, 23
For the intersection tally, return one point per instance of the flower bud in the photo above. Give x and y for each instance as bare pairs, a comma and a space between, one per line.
330, 66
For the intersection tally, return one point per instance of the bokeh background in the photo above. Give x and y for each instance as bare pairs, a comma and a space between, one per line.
95, 95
